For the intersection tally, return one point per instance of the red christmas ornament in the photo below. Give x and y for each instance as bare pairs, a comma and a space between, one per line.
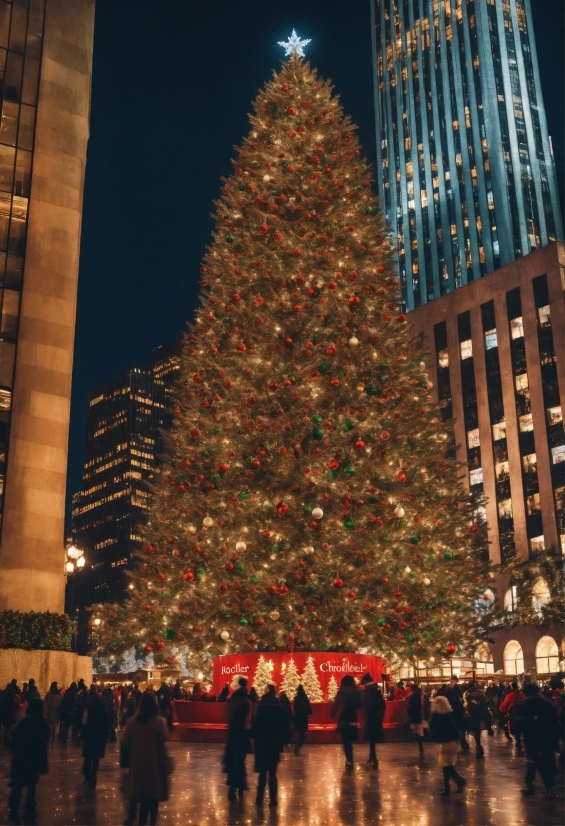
229, 566
283, 589
297, 629
473, 529
401, 319
360, 444
241, 347
354, 300
149, 549
273, 385
450, 648
224, 467
333, 465
361, 633
397, 594
197, 378
337, 583
334, 382
384, 580
147, 649
385, 435
282, 508
351, 595
402, 625
195, 433
198, 629
260, 621
188, 576
401, 476
291, 111
160, 646
264, 228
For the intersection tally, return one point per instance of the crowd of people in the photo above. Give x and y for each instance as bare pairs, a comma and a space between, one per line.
90, 717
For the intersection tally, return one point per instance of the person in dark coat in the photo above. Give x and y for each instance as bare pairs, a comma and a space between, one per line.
345, 707
373, 712
479, 716
286, 704
443, 730
164, 697
415, 717
224, 694
66, 710
537, 719
270, 732
177, 690
29, 759
455, 699
95, 730
238, 711
302, 710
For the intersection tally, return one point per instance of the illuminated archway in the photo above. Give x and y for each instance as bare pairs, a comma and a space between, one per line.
547, 656
513, 658
485, 659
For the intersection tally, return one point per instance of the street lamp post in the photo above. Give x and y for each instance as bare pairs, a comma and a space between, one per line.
75, 563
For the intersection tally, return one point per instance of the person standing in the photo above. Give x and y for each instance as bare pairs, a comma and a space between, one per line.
144, 739
53, 700
512, 699
537, 719
373, 712
238, 711
66, 711
345, 707
415, 716
270, 732
177, 690
29, 759
444, 731
95, 728
479, 716
164, 697
302, 710
455, 699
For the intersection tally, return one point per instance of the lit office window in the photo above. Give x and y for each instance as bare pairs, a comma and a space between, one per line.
505, 509
533, 503
443, 358
526, 423
466, 349
502, 471
544, 314
473, 438
554, 415
521, 382
491, 339
499, 431
537, 543
558, 454
529, 463
517, 328
476, 476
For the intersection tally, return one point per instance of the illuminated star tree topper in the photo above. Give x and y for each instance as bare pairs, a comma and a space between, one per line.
294, 44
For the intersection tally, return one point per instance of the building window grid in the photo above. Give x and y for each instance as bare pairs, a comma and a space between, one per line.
499, 445
551, 398
470, 407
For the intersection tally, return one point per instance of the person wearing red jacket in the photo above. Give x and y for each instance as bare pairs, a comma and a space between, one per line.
506, 707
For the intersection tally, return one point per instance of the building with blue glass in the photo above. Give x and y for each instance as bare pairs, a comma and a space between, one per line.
464, 162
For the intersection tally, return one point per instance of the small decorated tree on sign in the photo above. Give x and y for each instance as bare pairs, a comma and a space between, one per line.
262, 676
291, 680
311, 683
332, 689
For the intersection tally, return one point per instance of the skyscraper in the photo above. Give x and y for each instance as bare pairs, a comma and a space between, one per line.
464, 162
122, 448
45, 78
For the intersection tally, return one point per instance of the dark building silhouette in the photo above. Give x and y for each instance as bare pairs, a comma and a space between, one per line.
123, 445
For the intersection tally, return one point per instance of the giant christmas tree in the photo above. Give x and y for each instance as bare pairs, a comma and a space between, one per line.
308, 500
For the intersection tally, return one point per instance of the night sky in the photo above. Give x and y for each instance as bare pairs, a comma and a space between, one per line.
173, 82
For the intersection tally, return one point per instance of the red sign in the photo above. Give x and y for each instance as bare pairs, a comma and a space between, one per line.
326, 666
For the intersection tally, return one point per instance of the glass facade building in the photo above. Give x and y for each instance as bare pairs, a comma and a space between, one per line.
21, 36
464, 163
123, 443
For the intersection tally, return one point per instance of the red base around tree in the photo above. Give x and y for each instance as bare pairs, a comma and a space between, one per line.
205, 722
327, 665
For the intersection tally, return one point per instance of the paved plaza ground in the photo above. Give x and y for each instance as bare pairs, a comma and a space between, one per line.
314, 790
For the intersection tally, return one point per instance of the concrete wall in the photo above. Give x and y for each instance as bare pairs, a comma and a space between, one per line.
32, 544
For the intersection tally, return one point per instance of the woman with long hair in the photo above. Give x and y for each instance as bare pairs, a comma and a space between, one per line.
144, 737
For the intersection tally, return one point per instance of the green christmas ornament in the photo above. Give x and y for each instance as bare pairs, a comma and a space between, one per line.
254, 579
381, 622
310, 589
238, 566
431, 559
349, 471
243, 621
230, 238
317, 433
359, 188
217, 429
414, 539
241, 186
367, 210
324, 367
448, 555
425, 635
244, 495
330, 475
326, 646
275, 549
349, 522
372, 390
200, 571
307, 508
317, 419
410, 637
347, 427
438, 495
280, 643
